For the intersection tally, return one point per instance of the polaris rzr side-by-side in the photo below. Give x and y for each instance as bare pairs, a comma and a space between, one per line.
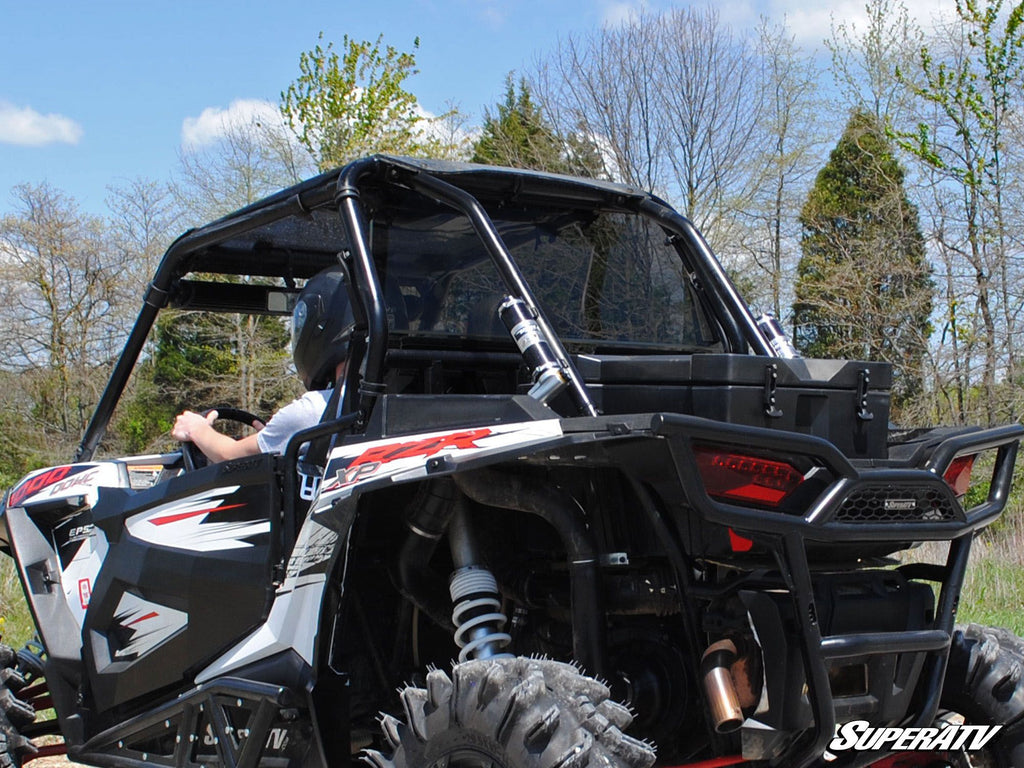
570, 505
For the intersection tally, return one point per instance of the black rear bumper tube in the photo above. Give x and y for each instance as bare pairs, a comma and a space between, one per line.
786, 536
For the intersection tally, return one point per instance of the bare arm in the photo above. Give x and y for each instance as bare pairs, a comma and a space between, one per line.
216, 446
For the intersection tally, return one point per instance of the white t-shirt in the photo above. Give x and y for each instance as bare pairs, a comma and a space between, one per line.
299, 414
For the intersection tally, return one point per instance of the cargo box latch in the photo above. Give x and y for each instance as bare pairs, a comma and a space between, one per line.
771, 378
863, 380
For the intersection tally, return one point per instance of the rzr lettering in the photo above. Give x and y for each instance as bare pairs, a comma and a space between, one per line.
382, 454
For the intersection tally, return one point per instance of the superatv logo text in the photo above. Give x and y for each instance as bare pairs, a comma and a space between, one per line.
862, 736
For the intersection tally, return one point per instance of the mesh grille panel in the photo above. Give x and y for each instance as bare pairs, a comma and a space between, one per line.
898, 504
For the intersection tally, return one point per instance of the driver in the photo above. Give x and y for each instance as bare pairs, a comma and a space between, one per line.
322, 325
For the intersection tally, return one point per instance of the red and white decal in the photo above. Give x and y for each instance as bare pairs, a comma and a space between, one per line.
408, 455
184, 524
146, 625
67, 480
79, 575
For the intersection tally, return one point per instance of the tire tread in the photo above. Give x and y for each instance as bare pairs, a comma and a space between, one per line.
537, 713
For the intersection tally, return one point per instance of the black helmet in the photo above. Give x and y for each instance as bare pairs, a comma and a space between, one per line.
322, 324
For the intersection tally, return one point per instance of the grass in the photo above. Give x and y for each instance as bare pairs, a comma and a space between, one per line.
16, 625
994, 590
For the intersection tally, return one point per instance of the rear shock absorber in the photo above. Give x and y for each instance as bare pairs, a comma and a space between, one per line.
521, 320
477, 615
479, 622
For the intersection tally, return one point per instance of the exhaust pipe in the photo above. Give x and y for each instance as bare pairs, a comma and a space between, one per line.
723, 701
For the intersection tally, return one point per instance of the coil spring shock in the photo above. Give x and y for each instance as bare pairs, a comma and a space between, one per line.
477, 615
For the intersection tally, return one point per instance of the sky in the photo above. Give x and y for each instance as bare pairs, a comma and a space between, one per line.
94, 94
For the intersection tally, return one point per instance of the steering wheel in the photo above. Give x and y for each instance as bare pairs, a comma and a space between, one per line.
193, 458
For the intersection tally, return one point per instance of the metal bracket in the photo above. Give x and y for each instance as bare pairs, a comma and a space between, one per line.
771, 378
863, 412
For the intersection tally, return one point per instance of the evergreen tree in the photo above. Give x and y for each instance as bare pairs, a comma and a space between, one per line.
864, 288
518, 135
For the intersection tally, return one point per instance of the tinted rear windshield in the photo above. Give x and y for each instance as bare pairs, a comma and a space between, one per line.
604, 280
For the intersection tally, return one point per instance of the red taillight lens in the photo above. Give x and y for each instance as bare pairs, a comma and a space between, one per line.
958, 474
750, 479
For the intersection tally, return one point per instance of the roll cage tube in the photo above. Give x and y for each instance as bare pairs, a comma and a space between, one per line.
368, 289
469, 206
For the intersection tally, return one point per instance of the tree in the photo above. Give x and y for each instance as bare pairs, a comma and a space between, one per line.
866, 65
967, 95
518, 135
248, 162
789, 155
144, 218
674, 102
343, 106
60, 285
863, 288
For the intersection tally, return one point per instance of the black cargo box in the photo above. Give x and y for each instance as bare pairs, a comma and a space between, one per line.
845, 402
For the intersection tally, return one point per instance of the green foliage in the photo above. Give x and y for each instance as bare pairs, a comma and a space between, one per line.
16, 627
864, 288
519, 136
971, 97
354, 103
202, 360
973, 93
191, 357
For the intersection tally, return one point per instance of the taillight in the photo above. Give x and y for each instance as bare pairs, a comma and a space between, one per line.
958, 474
750, 479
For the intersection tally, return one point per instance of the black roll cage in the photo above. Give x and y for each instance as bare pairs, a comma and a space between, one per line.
441, 181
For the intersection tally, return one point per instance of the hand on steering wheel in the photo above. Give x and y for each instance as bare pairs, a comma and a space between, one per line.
192, 457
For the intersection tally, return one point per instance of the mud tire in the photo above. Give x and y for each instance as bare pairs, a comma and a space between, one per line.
985, 683
510, 713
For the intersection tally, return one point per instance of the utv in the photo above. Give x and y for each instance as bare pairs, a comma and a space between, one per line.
564, 452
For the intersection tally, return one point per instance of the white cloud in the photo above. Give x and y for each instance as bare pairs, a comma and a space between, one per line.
214, 123
811, 24
26, 127
616, 13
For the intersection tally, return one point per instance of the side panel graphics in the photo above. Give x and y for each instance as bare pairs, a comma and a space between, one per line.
187, 575
198, 523
81, 549
295, 615
65, 481
144, 626
405, 458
